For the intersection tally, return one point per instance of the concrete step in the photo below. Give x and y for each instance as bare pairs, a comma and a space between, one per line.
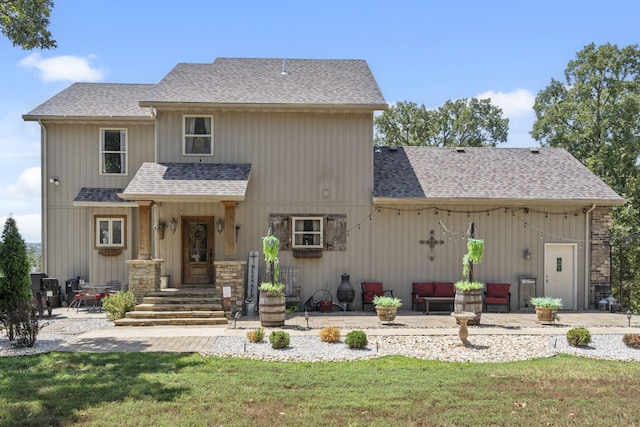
185, 321
178, 307
185, 292
175, 314
171, 299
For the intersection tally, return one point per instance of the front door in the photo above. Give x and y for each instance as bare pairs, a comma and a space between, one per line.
560, 273
197, 249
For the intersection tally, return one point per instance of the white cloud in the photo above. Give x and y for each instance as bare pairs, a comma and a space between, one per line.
63, 68
27, 188
513, 104
29, 227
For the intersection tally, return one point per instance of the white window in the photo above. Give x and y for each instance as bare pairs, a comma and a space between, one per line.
198, 136
307, 232
113, 151
110, 232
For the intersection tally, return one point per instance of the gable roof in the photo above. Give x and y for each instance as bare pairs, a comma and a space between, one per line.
271, 82
486, 175
95, 100
189, 182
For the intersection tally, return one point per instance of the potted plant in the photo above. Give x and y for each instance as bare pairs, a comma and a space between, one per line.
546, 308
469, 292
160, 227
386, 307
272, 308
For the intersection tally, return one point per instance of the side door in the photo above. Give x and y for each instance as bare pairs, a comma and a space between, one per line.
560, 273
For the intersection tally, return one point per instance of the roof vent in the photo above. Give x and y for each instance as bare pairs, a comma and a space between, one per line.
535, 150
284, 68
460, 149
393, 149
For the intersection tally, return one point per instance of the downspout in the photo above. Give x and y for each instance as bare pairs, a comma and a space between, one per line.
587, 252
43, 195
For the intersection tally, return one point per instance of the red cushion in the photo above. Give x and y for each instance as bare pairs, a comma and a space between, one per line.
497, 301
443, 289
371, 289
424, 289
497, 290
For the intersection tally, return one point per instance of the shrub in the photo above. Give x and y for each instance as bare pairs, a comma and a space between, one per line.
118, 304
356, 339
279, 339
330, 334
578, 337
24, 321
256, 335
631, 340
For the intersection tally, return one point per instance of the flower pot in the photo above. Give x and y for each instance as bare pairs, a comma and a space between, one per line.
160, 231
546, 314
469, 301
272, 310
325, 306
387, 314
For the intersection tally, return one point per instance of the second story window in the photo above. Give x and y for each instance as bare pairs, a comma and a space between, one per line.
113, 151
198, 136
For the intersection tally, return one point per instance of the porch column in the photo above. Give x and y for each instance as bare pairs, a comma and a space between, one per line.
144, 232
230, 228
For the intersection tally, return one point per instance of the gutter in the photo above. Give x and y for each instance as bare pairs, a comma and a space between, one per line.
43, 198
587, 250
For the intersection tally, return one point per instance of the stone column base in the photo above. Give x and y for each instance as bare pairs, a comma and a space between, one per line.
144, 277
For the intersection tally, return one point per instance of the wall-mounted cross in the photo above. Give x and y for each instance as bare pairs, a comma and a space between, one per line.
432, 242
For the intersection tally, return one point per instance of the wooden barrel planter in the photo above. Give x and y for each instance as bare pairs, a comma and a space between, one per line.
272, 310
469, 301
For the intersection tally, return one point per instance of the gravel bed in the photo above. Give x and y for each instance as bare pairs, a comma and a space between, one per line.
607, 347
52, 333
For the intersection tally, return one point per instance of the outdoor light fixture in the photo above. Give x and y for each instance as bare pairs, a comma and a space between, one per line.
526, 254
173, 225
55, 180
629, 314
220, 225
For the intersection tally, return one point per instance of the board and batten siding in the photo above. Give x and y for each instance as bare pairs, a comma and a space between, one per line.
398, 258
73, 155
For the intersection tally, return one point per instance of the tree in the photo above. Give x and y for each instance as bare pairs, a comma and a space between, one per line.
468, 122
15, 282
595, 114
25, 23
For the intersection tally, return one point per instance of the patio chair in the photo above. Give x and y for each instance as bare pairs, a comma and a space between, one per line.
372, 289
497, 294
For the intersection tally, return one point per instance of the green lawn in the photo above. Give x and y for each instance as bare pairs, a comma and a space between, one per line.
147, 389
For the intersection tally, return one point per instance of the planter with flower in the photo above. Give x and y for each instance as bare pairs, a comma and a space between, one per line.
387, 307
546, 308
469, 292
272, 308
160, 227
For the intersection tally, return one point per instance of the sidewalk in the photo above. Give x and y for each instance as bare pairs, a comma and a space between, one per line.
189, 339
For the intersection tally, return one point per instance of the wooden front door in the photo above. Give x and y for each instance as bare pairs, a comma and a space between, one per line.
197, 249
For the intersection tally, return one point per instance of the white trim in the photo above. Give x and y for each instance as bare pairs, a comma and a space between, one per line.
185, 136
574, 287
319, 232
102, 152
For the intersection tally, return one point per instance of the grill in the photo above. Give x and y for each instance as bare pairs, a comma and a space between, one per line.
46, 292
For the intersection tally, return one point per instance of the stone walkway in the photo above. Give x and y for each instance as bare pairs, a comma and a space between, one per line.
189, 339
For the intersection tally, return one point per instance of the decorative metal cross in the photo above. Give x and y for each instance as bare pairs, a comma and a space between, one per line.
432, 242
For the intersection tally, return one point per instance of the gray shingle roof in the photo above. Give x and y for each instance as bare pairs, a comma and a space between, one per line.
477, 174
260, 81
88, 196
189, 181
95, 100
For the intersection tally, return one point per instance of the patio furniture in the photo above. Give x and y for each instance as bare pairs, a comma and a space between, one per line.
371, 290
425, 293
497, 294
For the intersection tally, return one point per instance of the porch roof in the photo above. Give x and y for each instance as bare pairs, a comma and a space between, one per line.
101, 197
485, 175
198, 182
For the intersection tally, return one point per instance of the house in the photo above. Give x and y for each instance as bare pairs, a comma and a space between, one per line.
175, 183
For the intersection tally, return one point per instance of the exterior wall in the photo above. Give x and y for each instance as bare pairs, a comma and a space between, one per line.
600, 280
73, 155
398, 258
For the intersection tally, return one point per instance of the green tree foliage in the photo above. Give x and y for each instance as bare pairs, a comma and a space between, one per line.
15, 282
25, 23
595, 114
464, 122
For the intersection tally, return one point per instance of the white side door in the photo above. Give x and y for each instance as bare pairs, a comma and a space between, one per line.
561, 273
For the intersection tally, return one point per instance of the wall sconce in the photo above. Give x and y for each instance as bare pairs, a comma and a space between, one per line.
55, 180
526, 254
220, 225
173, 225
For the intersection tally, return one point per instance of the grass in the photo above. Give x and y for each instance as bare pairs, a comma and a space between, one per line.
160, 389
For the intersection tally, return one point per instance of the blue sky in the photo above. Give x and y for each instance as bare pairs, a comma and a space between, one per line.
421, 51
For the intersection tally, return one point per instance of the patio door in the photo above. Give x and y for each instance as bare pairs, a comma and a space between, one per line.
560, 273
197, 249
